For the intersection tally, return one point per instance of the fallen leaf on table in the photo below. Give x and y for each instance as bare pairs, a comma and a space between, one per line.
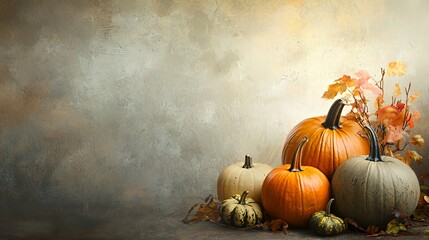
394, 227
372, 229
275, 226
208, 211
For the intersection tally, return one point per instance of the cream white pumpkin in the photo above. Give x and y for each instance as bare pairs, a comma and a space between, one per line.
240, 177
369, 189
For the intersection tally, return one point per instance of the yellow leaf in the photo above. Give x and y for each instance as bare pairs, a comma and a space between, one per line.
426, 198
413, 155
397, 91
417, 140
414, 96
334, 89
396, 69
393, 227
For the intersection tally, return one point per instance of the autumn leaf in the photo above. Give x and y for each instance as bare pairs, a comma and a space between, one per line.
208, 211
352, 223
416, 115
396, 69
394, 227
387, 113
275, 226
371, 229
417, 140
397, 90
334, 89
414, 96
413, 155
426, 198
349, 81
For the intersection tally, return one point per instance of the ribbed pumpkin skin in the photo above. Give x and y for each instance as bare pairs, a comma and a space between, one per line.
324, 223
327, 225
369, 192
295, 196
326, 148
241, 214
235, 179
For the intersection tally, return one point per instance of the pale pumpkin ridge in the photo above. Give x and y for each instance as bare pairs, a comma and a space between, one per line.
241, 180
224, 183
393, 187
365, 193
253, 182
230, 183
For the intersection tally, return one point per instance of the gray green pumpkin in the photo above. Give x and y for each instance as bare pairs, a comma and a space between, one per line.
368, 189
241, 211
324, 223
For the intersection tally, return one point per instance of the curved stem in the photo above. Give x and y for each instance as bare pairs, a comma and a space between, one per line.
332, 120
374, 148
328, 207
248, 162
295, 165
243, 197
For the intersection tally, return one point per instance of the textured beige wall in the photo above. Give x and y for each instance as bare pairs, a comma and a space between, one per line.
143, 103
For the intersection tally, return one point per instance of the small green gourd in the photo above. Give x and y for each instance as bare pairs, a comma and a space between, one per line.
324, 223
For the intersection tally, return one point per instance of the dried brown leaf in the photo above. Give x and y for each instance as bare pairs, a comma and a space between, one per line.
371, 229
208, 211
276, 225
352, 223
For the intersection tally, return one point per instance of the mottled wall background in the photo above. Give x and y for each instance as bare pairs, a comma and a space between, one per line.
141, 104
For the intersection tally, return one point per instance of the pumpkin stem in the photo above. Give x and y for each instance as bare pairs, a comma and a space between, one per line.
243, 197
374, 148
328, 207
295, 165
332, 120
248, 162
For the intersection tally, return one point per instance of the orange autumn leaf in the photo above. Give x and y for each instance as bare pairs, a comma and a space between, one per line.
387, 113
350, 82
334, 89
396, 69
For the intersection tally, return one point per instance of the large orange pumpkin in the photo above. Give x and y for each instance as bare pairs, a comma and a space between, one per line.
293, 192
333, 139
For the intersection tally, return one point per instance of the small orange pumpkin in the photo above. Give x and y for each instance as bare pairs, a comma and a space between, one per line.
293, 192
331, 142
